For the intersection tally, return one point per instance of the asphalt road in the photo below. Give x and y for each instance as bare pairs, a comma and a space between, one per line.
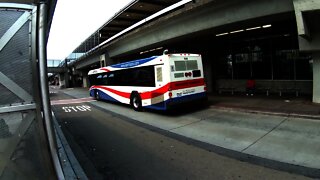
110, 146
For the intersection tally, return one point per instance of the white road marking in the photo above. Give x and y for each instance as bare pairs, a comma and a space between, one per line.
82, 108
72, 101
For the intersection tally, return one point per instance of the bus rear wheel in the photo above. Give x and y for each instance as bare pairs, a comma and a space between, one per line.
136, 102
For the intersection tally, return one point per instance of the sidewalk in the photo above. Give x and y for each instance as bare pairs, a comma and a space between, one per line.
271, 135
272, 105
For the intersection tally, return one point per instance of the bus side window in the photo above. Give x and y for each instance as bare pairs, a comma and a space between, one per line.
99, 79
105, 79
146, 78
111, 80
126, 77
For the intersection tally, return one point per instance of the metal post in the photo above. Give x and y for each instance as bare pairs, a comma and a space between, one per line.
294, 55
46, 108
271, 58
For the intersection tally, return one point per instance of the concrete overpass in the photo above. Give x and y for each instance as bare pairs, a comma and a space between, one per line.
282, 34
56, 70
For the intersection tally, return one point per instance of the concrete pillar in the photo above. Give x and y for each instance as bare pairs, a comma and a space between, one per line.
85, 81
316, 78
207, 68
63, 80
306, 12
67, 78
103, 60
108, 60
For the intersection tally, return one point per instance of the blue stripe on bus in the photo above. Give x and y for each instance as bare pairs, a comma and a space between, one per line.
133, 63
178, 100
103, 95
159, 106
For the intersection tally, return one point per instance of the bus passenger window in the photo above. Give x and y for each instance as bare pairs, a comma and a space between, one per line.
104, 80
111, 80
192, 65
180, 65
99, 80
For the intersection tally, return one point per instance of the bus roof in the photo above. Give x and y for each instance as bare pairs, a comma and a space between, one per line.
124, 65
134, 63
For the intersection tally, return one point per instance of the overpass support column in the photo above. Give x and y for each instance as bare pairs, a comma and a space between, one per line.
316, 77
105, 60
63, 80
207, 68
85, 80
307, 12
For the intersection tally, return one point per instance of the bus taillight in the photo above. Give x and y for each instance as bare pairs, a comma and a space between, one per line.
187, 74
170, 93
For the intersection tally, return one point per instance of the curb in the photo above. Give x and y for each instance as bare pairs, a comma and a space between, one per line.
70, 164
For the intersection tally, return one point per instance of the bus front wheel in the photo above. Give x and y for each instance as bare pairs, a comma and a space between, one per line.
136, 101
96, 95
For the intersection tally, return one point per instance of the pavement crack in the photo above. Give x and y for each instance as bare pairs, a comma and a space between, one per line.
265, 134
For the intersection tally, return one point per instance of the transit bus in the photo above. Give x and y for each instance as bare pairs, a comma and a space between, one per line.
157, 82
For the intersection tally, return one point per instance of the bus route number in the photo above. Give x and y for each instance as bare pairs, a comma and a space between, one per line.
82, 108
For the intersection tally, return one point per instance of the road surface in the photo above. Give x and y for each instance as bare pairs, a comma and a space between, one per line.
109, 145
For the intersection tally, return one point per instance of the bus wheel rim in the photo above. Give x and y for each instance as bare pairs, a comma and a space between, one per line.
135, 102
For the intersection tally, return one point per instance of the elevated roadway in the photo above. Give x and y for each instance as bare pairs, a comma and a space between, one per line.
56, 70
186, 22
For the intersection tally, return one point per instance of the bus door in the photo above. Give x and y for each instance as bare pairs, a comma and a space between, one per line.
158, 75
158, 96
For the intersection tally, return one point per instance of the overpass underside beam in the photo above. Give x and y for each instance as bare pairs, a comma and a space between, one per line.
56, 70
189, 21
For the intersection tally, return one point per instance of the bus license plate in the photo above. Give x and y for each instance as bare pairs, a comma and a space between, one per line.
188, 91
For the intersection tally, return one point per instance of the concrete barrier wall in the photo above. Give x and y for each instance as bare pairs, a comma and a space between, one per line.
273, 86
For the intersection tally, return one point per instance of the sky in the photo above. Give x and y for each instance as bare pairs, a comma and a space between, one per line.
75, 20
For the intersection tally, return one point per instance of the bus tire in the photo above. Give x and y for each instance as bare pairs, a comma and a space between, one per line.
96, 95
136, 102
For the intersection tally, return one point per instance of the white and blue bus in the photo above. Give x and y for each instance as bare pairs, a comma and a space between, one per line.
157, 82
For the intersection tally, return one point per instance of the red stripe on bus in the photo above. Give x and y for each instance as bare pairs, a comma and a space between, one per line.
173, 86
187, 84
158, 92
155, 93
105, 69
